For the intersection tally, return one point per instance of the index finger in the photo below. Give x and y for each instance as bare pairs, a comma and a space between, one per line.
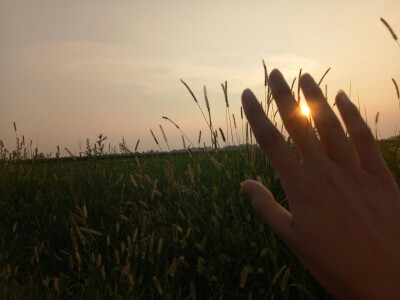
295, 121
269, 138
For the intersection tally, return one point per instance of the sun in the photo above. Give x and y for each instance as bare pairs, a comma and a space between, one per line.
304, 109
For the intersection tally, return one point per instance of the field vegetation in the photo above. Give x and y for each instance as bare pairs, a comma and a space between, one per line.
173, 226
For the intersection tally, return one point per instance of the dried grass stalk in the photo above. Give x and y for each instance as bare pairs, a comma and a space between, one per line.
225, 88
291, 88
184, 143
390, 30
154, 137
208, 107
163, 133
298, 88
168, 119
165, 137
195, 100
137, 144
222, 134
266, 79
323, 76
376, 125
190, 91
176, 125
199, 138
397, 88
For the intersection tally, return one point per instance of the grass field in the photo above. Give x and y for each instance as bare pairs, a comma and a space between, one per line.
146, 227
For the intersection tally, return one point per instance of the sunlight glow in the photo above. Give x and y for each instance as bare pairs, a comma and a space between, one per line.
304, 109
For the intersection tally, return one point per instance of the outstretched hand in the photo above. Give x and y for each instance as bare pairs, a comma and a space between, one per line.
343, 221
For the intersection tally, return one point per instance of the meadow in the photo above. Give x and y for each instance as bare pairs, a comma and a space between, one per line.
172, 225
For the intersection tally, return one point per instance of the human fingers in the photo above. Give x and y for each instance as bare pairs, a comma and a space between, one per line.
270, 211
269, 138
330, 131
365, 146
295, 122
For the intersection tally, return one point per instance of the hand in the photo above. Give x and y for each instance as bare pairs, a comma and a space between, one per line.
344, 218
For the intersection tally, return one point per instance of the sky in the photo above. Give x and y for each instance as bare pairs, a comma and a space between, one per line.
70, 70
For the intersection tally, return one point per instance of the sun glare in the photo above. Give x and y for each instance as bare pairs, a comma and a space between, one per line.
304, 109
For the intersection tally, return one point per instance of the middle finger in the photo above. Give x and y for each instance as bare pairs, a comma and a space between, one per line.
295, 121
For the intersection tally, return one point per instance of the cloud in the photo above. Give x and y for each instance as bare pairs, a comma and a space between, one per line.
125, 65
89, 61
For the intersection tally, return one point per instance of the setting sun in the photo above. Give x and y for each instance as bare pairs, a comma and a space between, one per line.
304, 109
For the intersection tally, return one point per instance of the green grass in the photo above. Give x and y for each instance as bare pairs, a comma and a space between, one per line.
105, 227
165, 226
118, 228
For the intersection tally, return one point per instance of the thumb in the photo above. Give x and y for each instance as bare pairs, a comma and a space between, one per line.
271, 212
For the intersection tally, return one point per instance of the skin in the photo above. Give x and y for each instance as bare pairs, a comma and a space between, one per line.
343, 221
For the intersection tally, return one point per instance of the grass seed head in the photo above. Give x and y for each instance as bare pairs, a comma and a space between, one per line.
137, 144
154, 137
222, 134
397, 88
184, 143
194, 97
243, 277
225, 89
160, 246
206, 98
266, 79
158, 285
285, 279
298, 87
278, 274
389, 28
163, 133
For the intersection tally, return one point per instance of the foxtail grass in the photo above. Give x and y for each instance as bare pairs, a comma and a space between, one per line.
155, 139
165, 137
228, 116
397, 90
222, 134
389, 28
176, 125
137, 145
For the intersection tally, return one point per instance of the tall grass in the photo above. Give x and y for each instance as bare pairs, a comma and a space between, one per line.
146, 227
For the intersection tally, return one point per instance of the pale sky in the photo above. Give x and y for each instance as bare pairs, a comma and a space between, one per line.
70, 70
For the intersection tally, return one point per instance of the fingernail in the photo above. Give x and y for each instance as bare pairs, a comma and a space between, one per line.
248, 96
342, 98
247, 188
